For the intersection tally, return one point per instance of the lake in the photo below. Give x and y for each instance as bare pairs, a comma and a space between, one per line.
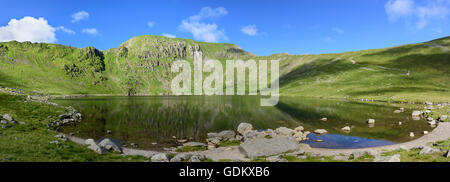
152, 121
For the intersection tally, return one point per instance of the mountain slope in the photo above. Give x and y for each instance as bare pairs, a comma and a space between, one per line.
141, 65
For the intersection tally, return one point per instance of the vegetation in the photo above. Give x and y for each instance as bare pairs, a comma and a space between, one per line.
191, 148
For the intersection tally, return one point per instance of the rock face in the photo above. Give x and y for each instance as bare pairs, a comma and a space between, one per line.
394, 158
110, 144
320, 131
243, 127
266, 147
161, 157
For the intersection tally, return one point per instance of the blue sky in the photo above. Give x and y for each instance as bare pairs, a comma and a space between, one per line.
262, 27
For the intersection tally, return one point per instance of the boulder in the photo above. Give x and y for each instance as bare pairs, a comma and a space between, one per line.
394, 158
161, 157
370, 121
95, 147
411, 134
194, 144
251, 134
8, 117
197, 158
416, 113
260, 146
299, 129
110, 144
443, 117
428, 150
213, 141
323, 119
181, 157
227, 135
320, 131
243, 127
211, 135
346, 129
284, 131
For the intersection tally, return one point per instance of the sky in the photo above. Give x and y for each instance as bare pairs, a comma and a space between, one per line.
263, 27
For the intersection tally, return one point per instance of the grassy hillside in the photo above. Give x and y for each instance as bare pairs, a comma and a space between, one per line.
141, 65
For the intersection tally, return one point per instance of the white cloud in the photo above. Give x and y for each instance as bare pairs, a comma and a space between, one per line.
421, 12
65, 30
399, 8
151, 24
168, 35
208, 12
28, 29
208, 32
250, 30
337, 30
92, 31
78, 16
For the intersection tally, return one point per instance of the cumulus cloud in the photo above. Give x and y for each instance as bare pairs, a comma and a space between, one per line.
168, 35
78, 16
421, 12
92, 31
208, 32
250, 30
28, 29
151, 24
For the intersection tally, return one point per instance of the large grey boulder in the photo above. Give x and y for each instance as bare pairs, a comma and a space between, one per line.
110, 144
95, 147
243, 127
227, 135
394, 158
161, 157
260, 146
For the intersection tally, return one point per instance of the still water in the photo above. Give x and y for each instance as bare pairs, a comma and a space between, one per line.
151, 122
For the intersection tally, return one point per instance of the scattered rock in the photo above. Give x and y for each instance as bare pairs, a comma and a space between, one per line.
181, 157
443, 117
108, 131
4, 122
8, 117
346, 129
227, 135
447, 154
161, 157
251, 134
370, 121
428, 150
299, 129
411, 134
429, 119
416, 113
430, 107
181, 141
402, 109
400, 123
134, 145
284, 131
425, 132
194, 144
394, 158
433, 122
324, 119
320, 131
341, 157
197, 158
110, 144
277, 158
397, 111
257, 147
243, 127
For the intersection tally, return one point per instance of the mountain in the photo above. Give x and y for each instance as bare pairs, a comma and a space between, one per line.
141, 66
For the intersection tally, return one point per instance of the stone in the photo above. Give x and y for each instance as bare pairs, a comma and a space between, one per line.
443, 117
8, 117
251, 134
416, 113
299, 129
425, 132
227, 135
211, 135
197, 158
134, 145
194, 144
429, 119
430, 107
447, 154
428, 103
394, 158
397, 111
108, 131
161, 157
370, 121
411, 134
257, 147
358, 154
341, 157
110, 144
243, 127
213, 141
428, 150
95, 147
400, 123
284, 131
181, 157
432, 122
320, 131
276, 158
402, 109
323, 119
346, 129
304, 146
4, 122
